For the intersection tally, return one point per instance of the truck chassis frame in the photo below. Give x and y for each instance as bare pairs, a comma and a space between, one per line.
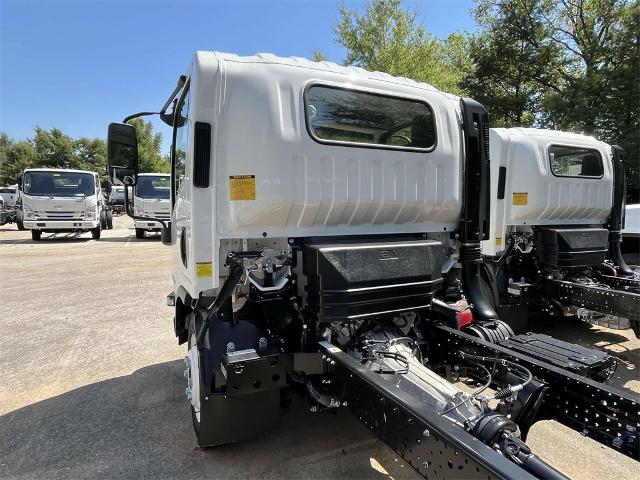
434, 448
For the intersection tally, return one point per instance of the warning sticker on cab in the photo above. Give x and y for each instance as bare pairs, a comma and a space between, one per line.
521, 198
242, 187
204, 269
498, 241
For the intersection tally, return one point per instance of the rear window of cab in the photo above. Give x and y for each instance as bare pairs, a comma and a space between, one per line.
568, 161
364, 119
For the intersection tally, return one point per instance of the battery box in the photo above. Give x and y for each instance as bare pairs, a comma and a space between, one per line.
587, 362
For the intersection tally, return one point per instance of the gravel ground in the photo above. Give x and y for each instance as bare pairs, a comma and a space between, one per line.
92, 383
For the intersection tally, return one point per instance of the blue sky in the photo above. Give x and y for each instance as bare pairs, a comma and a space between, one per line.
78, 65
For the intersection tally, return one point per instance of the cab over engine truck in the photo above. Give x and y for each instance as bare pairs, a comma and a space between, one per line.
61, 200
554, 244
151, 200
326, 235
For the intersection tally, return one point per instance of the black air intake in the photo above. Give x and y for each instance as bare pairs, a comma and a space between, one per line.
351, 281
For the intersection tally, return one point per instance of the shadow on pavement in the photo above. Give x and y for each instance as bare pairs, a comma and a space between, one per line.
139, 426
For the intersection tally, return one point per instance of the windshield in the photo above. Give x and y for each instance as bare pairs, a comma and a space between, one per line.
153, 187
59, 184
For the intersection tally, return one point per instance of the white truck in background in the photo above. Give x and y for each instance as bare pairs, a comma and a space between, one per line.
61, 200
152, 199
115, 198
9, 194
554, 243
9, 204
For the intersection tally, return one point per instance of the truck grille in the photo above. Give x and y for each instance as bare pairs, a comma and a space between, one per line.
60, 215
161, 216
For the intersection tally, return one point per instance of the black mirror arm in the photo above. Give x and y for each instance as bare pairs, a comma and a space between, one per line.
139, 114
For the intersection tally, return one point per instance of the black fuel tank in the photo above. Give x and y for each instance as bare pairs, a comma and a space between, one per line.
572, 247
356, 280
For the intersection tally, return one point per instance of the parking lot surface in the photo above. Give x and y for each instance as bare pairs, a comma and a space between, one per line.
92, 380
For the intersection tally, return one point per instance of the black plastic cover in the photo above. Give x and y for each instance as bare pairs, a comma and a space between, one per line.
572, 247
584, 361
357, 280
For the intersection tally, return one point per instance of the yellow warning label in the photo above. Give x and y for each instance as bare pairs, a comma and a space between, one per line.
521, 198
242, 187
498, 241
204, 269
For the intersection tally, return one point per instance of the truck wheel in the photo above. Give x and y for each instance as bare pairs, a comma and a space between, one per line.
110, 219
193, 377
103, 219
217, 418
19, 223
95, 233
139, 233
36, 235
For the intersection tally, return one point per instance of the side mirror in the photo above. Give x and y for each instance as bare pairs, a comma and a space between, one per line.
107, 188
165, 234
122, 153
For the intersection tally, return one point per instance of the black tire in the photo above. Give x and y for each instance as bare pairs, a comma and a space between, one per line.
36, 235
139, 233
19, 221
109, 219
96, 232
191, 332
103, 219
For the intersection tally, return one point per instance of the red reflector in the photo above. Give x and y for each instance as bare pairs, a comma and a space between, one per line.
464, 316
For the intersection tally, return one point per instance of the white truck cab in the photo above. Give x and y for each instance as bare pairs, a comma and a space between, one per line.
61, 200
546, 178
152, 199
9, 194
555, 240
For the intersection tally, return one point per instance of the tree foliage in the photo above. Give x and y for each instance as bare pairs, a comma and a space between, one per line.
569, 65
54, 149
388, 38
150, 148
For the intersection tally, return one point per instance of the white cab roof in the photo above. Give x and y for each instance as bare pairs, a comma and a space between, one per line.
549, 135
348, 71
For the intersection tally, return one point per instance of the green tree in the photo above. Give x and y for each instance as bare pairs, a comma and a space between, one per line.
14, 158
389, 38
568, 64
150, 148
513, 66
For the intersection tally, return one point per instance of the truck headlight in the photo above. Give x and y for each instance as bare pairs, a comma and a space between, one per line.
138, 212
28, 213
90, 213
